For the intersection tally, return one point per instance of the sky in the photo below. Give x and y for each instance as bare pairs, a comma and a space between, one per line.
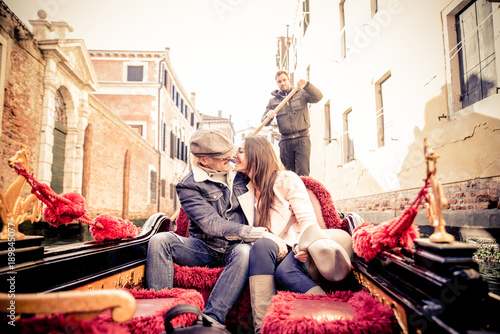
223, 50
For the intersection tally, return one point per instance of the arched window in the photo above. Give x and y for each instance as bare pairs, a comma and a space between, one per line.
59, 148
60, 109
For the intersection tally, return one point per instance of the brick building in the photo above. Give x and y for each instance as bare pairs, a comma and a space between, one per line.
142, 88
21, 119
75, 140
393, 73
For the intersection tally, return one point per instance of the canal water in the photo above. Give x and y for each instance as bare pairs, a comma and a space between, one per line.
487, 255
491, 274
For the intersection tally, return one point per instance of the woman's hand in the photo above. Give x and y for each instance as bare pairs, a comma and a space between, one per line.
283, 248
302, 256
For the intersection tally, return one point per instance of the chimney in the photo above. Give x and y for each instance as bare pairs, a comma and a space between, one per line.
220, 113
41, 27
62, 29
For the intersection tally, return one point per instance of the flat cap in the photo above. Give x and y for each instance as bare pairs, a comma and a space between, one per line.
212, 143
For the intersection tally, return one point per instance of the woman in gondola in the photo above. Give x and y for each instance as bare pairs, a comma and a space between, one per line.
278, 200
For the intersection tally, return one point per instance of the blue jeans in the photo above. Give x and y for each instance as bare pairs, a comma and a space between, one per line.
166, 248
290, 273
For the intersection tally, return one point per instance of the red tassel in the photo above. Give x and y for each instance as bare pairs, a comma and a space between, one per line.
369, 240
61, 213
362, 241
114, 228
63, 209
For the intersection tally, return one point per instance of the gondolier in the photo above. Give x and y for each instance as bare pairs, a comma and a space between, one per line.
293, 121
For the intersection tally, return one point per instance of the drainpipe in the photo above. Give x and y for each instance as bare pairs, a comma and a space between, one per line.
160, 71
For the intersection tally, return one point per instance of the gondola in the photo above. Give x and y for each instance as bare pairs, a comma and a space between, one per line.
433, 287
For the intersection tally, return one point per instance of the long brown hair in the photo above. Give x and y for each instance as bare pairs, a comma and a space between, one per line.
263, 166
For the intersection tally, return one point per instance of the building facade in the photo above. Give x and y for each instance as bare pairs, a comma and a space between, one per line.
270, 133
20, 116
218, 122
394, 72
75, 128
142, 88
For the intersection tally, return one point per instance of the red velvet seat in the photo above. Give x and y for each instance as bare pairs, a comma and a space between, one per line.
338, 312
203, 279
148, 317
152, 305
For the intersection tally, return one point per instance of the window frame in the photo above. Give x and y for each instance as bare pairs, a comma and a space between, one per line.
126, 66
153, 186
379, 105
347, 140
142, 124
328, 123
452, 64
3, 69
342, 21
373, 7
306, 15
464, 56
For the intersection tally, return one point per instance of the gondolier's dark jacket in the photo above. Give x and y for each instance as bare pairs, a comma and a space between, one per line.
293, 118
216, 216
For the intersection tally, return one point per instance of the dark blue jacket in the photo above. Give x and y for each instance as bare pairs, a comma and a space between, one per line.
215, 214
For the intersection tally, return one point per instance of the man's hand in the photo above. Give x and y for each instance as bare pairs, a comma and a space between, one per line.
271, 114
283, 249
255, 233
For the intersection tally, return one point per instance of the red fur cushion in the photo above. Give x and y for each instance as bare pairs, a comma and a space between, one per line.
204, 278
196, 277
60, 323
328, 211
368, 315
182, 222
152, 320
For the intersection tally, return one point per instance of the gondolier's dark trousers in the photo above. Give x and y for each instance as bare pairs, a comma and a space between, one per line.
295, 154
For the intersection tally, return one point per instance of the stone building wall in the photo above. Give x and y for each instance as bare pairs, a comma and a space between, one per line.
472, 204
111, 139
20, 115
24, 69
476, 194
387, 89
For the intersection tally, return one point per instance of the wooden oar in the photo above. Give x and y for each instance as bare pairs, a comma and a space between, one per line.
289, 96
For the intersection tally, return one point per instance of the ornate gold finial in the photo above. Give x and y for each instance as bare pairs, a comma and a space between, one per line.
14, 209
436, 201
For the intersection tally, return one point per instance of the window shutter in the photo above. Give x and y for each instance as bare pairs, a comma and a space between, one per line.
135, 73
152, 187
476, 53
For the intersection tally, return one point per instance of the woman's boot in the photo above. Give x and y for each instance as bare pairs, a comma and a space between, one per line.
315, 291
262, 290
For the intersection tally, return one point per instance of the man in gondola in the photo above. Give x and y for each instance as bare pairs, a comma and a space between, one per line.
219, 232
293, 121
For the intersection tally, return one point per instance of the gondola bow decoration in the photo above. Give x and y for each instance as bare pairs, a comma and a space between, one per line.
63, 209
369, 239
